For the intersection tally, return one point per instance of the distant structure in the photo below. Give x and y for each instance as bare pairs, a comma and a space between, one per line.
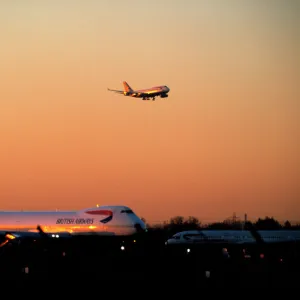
245, 221
235, 220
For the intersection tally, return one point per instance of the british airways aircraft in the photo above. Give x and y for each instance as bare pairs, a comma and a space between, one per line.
233, 236
145, 94
104, 220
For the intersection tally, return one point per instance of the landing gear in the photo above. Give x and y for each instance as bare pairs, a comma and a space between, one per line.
144, 98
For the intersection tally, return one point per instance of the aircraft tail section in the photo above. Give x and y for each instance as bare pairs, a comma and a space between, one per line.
127, 87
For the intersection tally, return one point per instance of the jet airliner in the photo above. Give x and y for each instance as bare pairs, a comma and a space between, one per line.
233, 236
145, 94
113, 220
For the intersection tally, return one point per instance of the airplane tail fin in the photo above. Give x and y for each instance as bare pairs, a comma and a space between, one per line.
127, 88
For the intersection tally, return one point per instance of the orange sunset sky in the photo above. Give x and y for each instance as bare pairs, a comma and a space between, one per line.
226, 140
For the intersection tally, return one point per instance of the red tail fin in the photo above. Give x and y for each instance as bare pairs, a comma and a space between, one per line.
127, 88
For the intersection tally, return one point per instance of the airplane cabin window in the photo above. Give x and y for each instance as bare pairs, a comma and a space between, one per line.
190, 236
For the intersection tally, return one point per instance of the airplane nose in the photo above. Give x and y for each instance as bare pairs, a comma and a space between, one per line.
139, 228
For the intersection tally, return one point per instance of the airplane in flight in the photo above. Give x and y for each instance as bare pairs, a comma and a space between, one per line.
108, 220
145, 94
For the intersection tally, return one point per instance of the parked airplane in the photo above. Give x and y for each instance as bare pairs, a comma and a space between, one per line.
279, 236
233, 236
145, 94
211, 236
103, 220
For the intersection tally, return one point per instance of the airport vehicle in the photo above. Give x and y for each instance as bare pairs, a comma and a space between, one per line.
109, 220
145, 94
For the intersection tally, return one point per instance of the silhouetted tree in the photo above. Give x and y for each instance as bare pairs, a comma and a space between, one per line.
175, 225
178, 220
192, 221
267, 223
179, 223
220, 226
287, 224
296, 226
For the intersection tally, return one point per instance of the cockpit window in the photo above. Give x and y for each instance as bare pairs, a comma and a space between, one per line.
176, 237
127, 211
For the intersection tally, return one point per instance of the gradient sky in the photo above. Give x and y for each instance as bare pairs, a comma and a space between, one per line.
226, 140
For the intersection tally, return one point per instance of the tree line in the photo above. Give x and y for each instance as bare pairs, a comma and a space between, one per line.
180, 223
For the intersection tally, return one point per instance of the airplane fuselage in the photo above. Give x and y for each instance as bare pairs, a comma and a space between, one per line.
153, 92
116, 220
145, 94
232, 236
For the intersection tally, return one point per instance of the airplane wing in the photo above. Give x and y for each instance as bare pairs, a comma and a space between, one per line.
14, 235
150, 92
19, 235
116, 91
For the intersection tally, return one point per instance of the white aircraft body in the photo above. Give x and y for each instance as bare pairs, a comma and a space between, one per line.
103, 220
211, 236
145, 94
233, 236
278, 236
